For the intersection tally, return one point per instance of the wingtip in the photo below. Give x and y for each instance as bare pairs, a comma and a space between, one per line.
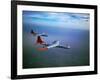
68, 47
42, 49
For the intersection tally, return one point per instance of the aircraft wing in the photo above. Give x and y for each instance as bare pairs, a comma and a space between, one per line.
55, 43
67, 47
47, 46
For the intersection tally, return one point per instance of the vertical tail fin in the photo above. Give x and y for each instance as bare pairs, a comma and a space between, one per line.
39, 40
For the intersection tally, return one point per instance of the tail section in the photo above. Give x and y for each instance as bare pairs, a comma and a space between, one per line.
39, 40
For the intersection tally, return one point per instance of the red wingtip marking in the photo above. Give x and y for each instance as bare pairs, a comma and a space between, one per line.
42, 49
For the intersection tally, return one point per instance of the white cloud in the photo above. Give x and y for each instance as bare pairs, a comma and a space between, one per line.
67, 20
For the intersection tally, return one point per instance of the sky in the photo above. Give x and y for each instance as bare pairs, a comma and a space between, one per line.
58, 19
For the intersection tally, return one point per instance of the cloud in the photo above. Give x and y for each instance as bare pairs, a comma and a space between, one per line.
71, 20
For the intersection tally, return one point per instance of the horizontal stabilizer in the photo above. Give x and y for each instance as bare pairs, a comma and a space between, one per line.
32, 32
